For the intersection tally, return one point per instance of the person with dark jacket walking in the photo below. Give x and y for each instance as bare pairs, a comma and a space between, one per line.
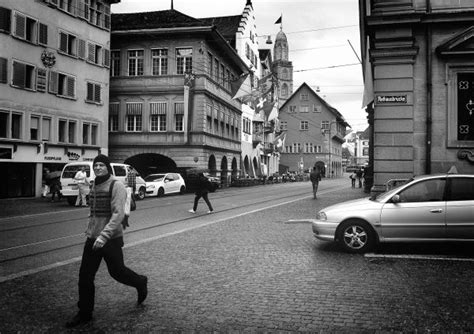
202, 190
315, 177
104, 241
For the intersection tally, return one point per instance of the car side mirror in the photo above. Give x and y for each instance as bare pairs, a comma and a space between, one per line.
395, 199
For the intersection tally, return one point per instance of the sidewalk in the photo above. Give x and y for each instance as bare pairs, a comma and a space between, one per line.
31, 205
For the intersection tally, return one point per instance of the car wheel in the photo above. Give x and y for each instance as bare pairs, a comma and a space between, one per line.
160, 192
356, 236
182, 190
141, 193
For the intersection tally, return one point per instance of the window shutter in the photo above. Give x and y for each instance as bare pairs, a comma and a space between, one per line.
90, 92
71, 85
81, 48
3, 70
20, 22
91, 52
5, 19
43, 34
106, 58
19, 70
97, 93
62, 42
53, 82
40, 79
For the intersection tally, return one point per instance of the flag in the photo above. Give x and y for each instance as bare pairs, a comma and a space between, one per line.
241, 86
279, 142
265, 85
279, 19
368, 96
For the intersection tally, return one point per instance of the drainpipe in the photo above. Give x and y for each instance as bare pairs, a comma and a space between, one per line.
428, 34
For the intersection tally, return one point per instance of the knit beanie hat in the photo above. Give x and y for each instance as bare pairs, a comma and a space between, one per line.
105, 160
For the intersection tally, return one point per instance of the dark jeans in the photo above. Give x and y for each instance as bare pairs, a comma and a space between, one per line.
204, 196
315, 188
113, 256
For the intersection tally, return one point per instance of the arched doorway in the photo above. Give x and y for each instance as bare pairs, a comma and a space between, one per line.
224, 172
235, 170
256, 167
246, 167
149, 163
211, 165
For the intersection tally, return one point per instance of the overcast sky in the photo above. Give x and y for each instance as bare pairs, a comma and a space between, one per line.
318, 34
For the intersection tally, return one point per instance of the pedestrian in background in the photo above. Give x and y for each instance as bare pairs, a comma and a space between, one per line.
46, 183
202, 190
359, 175
353, 177
132, 180
104, 240
82, 184
315, 177
55, 188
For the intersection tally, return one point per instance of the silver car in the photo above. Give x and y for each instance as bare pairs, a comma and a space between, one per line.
426, 208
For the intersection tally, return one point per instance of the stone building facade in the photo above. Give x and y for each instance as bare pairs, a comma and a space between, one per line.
420, 56
54, 79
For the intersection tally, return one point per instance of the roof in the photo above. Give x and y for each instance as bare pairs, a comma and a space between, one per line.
152, 20
227, 25
332, 109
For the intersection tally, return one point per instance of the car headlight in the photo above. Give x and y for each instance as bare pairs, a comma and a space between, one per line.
151, 186
321, 215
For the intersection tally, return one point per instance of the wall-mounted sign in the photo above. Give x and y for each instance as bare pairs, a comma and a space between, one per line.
53, 158
382, 99
73, 156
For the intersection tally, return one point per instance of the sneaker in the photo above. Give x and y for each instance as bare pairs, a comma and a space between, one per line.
78, 320
192, 211
210, 211
142, 290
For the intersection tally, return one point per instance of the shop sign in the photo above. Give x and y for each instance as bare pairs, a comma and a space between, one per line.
73, 156
53, 158
382, 99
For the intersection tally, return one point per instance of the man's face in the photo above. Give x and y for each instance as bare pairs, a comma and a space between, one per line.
100, 169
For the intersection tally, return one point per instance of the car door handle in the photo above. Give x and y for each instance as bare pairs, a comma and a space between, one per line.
436, 210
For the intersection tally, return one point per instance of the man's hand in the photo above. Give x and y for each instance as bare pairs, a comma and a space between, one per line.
99, 243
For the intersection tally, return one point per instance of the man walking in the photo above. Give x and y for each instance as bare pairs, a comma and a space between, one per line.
82, 184
203, 187
104, 240
315, 177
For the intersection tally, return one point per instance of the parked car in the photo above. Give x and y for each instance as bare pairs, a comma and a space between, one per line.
164, 183
69, 188
427, 208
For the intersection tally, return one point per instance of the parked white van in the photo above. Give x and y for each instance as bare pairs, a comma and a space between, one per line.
70, 190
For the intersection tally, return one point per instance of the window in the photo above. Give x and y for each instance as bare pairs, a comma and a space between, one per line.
5, 19
216, 70
135, 62
283, 125
325, 125
62, 84
66, 5
317, 108
304, 125
461, 189
94, 132
95, 54
46, 129
304, 96
41, 80
292, 109
319, 149
85, 133
284, 90
209, 64
97, 13
23, 75
159, 59
66, 131
304, 108
115, 63
424, 191
93, 92
134, 117
222, 81
3, 69
179, 116
4, 117
71, 132
89, 134
184, 60
113, 117
25, 28
158, 116
246, 125
16, 126
34, 127
68, 43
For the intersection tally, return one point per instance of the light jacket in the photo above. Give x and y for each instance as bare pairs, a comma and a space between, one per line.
107, 213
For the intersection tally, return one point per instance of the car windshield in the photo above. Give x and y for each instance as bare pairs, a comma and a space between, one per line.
70, 171
154, 177
388, 194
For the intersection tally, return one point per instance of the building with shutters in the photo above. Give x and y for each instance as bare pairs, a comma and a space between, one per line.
54, 80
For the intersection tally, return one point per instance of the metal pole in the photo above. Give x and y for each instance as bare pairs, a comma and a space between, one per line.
329, 139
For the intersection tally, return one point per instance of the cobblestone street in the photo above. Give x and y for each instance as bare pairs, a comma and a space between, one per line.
256, 273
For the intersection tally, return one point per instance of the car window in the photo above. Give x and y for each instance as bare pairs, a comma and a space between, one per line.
462, 189
70, 171
424, 191
119, 171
